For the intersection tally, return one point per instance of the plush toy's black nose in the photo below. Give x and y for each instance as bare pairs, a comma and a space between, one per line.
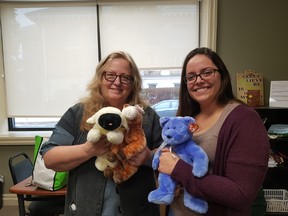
110, 121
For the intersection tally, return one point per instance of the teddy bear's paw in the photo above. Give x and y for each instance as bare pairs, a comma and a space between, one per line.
117, 181
155, 162
121, 155
130, 112
159, 197
196, 204
122, 175
100, 166
198, 172
111, 157
200, 169
93, 135
118, 178
91, 120
108, 173
100, 163
115, 137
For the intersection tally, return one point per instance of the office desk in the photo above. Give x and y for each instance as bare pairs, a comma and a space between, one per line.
26, 191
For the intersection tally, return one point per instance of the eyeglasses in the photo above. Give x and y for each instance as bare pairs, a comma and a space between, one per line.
206, 74
111, 77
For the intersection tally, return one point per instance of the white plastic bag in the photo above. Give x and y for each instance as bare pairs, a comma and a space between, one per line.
42, 177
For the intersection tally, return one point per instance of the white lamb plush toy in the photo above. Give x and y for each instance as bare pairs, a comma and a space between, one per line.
107, 121
111, 122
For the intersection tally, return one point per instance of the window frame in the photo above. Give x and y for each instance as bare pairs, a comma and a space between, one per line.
12, 127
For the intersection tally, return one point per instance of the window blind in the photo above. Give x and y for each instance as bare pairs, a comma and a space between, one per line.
51, 51
156, 34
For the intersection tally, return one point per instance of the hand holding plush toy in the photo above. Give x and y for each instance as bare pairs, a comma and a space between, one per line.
134, 142
111, 122
177, 133
124, 130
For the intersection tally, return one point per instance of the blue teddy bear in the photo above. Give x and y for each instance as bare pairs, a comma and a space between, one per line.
177, 133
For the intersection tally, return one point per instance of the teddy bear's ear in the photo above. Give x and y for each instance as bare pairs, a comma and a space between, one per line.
192, 126
188, 119
124, 122
163, 121
126, 105
91, 120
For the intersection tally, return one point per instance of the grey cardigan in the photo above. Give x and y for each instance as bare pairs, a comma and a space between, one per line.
86, 185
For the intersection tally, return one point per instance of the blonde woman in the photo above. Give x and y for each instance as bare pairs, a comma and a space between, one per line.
116, 81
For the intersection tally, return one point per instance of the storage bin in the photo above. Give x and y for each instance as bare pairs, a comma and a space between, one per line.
277, 200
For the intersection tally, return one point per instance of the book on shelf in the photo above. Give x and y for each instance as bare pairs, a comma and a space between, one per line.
250, 88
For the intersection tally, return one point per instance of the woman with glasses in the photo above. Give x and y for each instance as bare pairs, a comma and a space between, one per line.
116, 82
231, 133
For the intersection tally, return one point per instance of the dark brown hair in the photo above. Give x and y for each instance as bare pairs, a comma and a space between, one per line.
187, 105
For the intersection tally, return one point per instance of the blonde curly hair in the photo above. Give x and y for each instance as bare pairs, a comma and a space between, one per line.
95, 101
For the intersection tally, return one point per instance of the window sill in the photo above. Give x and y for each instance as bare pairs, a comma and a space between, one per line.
21, 138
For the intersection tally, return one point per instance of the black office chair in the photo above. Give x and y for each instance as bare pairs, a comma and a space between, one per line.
21, 168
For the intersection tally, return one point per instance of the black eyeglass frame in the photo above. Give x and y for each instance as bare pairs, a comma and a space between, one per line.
127, 78
205, 71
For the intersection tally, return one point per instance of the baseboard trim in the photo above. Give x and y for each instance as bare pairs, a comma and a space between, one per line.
11, 200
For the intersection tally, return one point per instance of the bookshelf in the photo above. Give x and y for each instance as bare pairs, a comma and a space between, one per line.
277, 177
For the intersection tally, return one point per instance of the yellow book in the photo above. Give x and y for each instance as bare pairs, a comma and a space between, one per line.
250, 88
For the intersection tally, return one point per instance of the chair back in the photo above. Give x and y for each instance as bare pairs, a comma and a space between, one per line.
20, 167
